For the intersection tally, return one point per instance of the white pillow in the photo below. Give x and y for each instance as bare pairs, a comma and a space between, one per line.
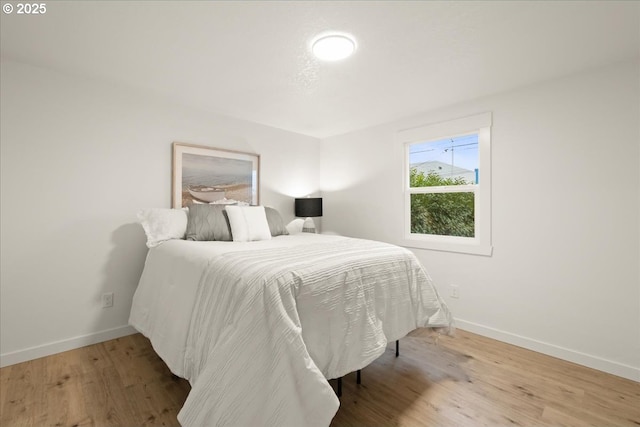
295, 226
162, 224
248, 223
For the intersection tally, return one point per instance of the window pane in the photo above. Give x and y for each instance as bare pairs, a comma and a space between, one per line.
450, 161
444, 214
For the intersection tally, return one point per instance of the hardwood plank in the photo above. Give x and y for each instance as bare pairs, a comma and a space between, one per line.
465, 380
62, 386
24, 396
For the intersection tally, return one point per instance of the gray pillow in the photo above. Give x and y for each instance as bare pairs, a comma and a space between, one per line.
276, 224
208, 222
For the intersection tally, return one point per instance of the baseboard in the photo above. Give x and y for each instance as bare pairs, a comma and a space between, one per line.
604, 365
611, 367
48, 349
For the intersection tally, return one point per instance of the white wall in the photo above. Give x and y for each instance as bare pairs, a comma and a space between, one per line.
79, 158
564, 277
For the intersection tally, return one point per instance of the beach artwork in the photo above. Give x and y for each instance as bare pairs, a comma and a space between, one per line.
213, 176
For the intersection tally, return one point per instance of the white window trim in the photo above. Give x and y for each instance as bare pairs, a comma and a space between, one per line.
481, 243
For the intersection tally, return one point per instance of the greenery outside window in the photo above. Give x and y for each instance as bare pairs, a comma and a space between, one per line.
448, 184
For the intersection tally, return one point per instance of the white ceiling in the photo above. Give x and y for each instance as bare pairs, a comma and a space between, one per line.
251, 60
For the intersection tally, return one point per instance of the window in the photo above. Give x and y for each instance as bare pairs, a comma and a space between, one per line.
447, 185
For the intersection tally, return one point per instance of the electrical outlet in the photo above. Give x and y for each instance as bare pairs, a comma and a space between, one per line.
107, 300
454, 291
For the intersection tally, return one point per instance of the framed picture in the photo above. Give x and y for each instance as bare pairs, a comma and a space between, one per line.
212, 175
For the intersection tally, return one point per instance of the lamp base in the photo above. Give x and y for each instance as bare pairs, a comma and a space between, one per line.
309, 226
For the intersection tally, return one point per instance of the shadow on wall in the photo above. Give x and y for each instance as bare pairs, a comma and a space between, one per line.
121, 274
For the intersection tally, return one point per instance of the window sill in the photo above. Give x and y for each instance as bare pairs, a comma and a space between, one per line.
464, 248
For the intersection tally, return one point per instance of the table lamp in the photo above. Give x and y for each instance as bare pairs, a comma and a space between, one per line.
308, 208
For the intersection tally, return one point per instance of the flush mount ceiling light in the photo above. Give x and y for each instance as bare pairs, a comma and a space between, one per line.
333, 47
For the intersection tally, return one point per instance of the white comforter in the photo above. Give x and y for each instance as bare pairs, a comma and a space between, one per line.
258, 327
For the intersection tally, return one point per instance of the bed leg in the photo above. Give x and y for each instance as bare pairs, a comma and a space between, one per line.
339, 393
397, 348
358, 381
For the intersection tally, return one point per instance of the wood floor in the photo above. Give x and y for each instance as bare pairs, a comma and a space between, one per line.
466, 380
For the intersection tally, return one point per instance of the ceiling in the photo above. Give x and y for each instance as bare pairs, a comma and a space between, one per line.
251, 60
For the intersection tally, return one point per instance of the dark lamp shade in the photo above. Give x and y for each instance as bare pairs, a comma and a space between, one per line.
309, 207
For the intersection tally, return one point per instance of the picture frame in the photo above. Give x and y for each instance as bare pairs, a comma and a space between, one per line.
207, 175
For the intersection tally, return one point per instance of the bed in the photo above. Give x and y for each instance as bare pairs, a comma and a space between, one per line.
258, 328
